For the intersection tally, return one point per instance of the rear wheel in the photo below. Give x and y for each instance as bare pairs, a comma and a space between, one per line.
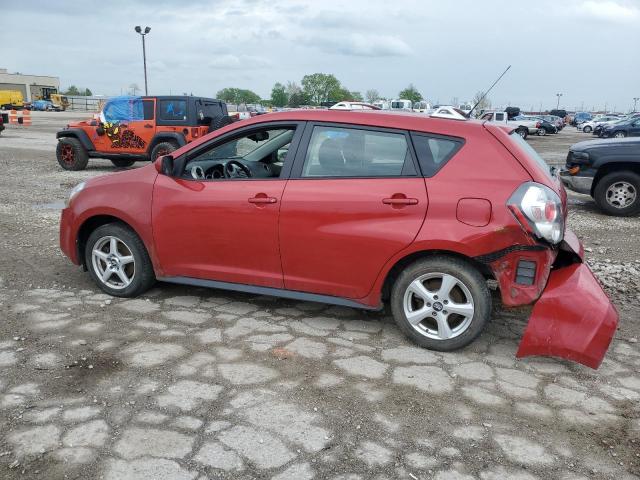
620, 134
541, 132
71, 154
122, 163
441, 303
587, 129
618, 193
162, 149
523, 132
118, 261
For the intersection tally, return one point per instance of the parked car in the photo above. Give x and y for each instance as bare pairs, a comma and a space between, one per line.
589, 126
544, 128
43, 105
353, 106
522, 127
448, 111
362, 210
609, 171
401, 104
2, 118
623, 128
581, 117
554, 120
139, 128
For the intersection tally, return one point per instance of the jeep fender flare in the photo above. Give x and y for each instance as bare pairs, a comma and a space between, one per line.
81, 135
176, 137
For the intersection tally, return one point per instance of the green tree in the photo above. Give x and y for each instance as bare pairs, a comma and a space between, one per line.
410, 93
320, 87
372, 95
238, 95
87, 92
356, 97
279, 97
339, 94
72, 90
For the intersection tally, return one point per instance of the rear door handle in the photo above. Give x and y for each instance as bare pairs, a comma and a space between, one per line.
400, 201
263, 200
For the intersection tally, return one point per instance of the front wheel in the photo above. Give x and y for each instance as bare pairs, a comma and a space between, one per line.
587, 129
118, 261
441, 303
542, 132
620, 135
618, 193
71, 154
122, 163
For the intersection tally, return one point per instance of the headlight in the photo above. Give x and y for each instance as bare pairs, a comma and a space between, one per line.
539, 211
77, 189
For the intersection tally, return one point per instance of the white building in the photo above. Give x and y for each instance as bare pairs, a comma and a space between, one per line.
32, 87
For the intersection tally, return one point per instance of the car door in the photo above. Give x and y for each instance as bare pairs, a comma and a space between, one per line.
226, 229
634, 128
354, 200
127, 126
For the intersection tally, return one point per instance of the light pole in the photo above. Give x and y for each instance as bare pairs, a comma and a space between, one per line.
144, 54
558, 104
635, 103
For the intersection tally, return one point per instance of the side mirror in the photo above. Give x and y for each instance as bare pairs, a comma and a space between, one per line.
164, 165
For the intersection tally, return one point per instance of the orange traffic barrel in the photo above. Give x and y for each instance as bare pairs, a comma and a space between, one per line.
13, 117
26, 118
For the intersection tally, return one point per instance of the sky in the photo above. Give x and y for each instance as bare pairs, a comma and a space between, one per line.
588, 50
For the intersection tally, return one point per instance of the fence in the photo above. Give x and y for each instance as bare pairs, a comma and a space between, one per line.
85, 104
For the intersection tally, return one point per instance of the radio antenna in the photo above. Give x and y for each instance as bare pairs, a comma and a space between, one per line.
485, 93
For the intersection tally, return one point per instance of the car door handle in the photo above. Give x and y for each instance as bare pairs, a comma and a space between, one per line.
147, 125
263, 200
400, 201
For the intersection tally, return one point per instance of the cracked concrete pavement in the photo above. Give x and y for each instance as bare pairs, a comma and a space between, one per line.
190, 383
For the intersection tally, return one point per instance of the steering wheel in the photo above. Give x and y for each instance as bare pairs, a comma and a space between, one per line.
236, 169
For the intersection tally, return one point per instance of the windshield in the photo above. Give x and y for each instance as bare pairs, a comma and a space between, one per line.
531, 153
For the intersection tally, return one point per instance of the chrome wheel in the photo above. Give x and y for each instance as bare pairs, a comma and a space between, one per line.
113, 262
438, 306
620, 135
621, 194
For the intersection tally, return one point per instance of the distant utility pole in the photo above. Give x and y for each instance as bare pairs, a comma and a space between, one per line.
635, 102
144, 54
558, 104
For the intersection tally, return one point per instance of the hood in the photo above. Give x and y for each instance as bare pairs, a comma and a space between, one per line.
606, 142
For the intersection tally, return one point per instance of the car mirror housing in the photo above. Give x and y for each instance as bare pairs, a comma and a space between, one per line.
164, 165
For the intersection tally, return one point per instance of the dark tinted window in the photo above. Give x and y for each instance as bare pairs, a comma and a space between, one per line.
350, 152
434, 152
175, 110
147, 106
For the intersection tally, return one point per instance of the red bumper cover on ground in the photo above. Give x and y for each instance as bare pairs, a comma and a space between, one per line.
573, 319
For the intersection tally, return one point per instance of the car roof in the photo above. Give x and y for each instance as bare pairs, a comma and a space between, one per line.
374, 118
181, 97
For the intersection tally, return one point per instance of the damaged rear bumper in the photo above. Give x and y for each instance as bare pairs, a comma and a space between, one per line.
572, 317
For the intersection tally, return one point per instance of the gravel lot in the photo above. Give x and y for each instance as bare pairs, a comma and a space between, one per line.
188, 383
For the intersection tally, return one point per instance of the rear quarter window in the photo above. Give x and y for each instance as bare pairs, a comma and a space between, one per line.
434, 152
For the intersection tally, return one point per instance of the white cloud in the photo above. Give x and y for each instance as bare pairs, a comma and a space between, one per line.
610, 11
359, 44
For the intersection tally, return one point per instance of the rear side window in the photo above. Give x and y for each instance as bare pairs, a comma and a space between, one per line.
174, 110
434, 152
147, 106
350, 152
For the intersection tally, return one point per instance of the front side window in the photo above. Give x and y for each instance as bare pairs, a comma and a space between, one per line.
499, 117
256, 154
350, 152
173, 110
434, 152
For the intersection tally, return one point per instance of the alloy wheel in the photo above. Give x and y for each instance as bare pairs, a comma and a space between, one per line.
67, 154
621, 194
113, 262
438, 306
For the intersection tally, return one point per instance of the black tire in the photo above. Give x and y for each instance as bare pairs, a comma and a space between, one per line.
71, 154
472, 280
607, 199
122, 163
620, 134
219, 122
587, 129
541, 132
523, 132
162, 149
142, 276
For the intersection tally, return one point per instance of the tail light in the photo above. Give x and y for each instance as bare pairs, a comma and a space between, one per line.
539, 211
538, 125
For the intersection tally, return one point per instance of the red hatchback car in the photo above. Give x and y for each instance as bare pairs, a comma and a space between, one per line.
354, 209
